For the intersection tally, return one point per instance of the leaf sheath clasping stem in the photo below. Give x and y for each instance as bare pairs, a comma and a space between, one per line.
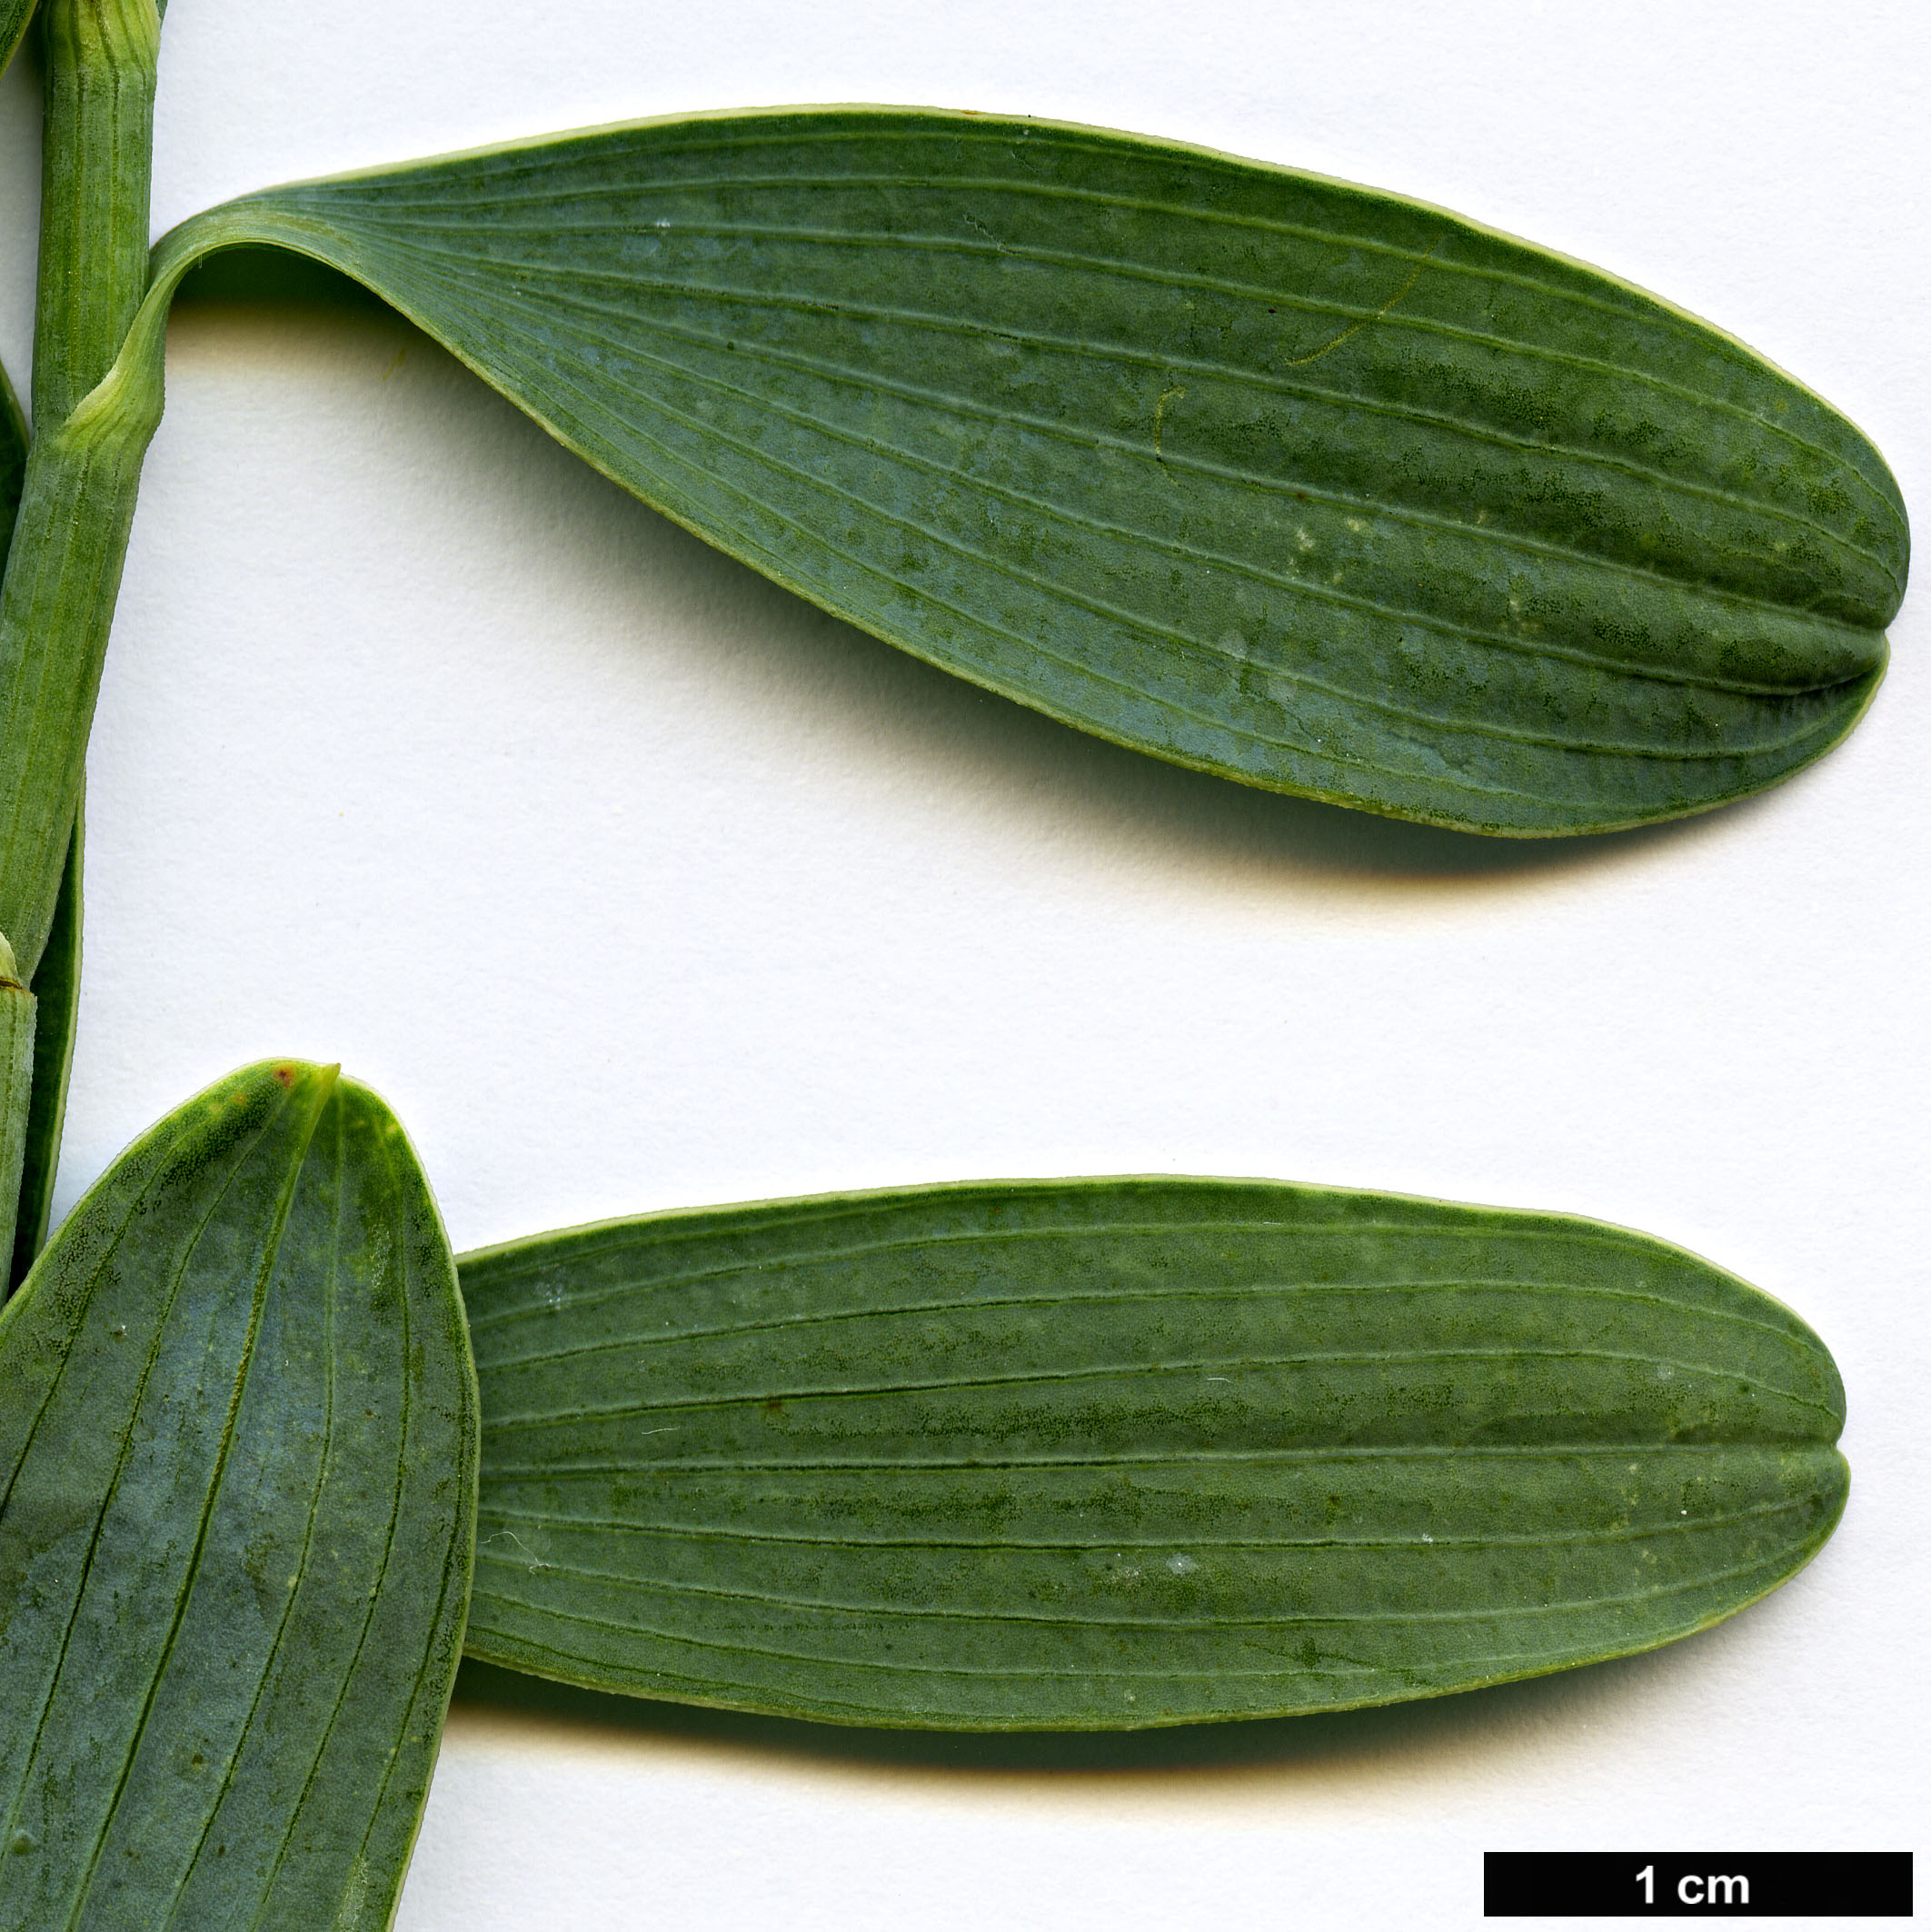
94, 420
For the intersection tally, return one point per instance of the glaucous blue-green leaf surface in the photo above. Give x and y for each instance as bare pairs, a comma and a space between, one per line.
1311, 486
237, 1481
1123, 1452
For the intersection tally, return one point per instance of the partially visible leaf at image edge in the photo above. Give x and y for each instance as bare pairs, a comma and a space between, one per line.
1308, 485
237, 1483
1124, 1452
14, 17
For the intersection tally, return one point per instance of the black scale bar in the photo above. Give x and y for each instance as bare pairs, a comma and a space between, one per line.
1696, 1885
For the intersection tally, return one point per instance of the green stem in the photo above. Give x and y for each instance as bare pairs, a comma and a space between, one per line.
96, 157
56, 610
93, 424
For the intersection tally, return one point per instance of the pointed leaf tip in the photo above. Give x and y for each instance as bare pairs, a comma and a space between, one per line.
304, 1074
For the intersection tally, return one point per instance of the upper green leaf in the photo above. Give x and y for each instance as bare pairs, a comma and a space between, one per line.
1314, 487
1124, 1452
237, 1470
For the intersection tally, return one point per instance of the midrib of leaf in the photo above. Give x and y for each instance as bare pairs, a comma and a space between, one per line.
1089, 1460
675, 1527
1127, 1371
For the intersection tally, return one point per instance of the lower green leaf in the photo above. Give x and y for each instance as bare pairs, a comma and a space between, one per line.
1122, 1452
237, 1461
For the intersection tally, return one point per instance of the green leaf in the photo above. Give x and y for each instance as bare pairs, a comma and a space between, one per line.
1313, 487
1119, 1452
15, 16
57, 997
237, 1459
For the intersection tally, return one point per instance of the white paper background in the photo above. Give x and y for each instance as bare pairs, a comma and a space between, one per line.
634, 882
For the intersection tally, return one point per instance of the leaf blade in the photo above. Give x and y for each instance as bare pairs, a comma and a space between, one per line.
1117, 1453
248, 1747
1474, 534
